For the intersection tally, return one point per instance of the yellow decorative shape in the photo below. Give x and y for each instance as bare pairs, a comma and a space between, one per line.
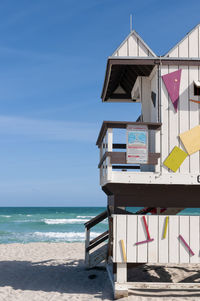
123, 250
166, 224
191, 140
175, 159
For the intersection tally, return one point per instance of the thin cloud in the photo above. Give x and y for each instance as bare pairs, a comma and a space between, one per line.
48, 130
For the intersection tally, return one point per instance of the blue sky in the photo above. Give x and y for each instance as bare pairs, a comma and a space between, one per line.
52, 64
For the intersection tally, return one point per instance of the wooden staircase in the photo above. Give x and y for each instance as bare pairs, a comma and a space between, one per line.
99, 254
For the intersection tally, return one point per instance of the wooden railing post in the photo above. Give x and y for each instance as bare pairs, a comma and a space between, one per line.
87, 243
110, 148
157, 150
101, 168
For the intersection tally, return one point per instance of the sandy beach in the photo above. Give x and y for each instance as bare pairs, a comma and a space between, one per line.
56, 272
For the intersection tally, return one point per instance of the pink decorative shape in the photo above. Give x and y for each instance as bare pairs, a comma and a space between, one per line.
144, 241
187, 246
172, 84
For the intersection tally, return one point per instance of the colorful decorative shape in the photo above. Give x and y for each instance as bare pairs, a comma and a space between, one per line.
144, 241
172, 84
123, 250
166, 225
149, 239
175, 159
187, 246
196, 101
146, 227
191, 140
153, 98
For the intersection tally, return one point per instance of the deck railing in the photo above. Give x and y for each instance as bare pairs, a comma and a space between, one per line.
111, 160
91, 244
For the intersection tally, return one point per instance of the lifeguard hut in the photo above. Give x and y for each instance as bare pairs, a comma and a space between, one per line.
158, 164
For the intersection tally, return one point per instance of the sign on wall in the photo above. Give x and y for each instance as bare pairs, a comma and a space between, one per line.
137, 144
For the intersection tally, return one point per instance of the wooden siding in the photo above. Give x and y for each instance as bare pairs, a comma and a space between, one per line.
188, 47
130, 229
133, 45
186, 117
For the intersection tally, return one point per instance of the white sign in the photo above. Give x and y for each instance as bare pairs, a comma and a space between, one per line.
137, 144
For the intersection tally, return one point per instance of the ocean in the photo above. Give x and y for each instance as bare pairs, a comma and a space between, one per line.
52, 224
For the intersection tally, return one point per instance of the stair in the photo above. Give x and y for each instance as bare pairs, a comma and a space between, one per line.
98, 256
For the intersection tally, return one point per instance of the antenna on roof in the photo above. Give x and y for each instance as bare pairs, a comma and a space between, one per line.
131, 22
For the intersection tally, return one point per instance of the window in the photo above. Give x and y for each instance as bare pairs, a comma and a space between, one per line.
196, 87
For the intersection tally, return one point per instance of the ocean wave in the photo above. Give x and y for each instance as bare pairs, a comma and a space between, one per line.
5, 216
67, 236
86, 216
64, 221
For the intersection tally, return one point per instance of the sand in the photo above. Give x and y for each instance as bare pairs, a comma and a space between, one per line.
56, 272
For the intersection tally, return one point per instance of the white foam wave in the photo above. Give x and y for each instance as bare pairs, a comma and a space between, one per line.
29, 215
6, 216
66, 236
86, 216
64, 221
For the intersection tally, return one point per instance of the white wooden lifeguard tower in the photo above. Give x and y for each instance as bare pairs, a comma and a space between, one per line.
158, 165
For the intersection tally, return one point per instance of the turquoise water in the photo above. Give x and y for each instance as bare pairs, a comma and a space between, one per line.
53, 224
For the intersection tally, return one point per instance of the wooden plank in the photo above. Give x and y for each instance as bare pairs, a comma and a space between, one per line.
184, 231
98, 240
183, 48
87, 242
153, 246
194, 115
151, 195
194, 238
121, 235
173, 130
123, 125
163, 244
121, 272
97, 219
165, 119
183, 113
131, 238
143, 51
173, 239
114, 238
141, 249
132, 43
98, 256
174, 52
109, 135
163, 285
123, 50
120, 158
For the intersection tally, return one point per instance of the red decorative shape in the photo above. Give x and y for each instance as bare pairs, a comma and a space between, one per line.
172, 84
146, 227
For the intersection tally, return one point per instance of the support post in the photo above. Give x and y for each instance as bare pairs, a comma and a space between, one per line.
87, 242
121, 290
110, 148
157, 150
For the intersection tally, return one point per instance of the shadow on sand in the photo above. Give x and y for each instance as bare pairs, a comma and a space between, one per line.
49, 276
161, 274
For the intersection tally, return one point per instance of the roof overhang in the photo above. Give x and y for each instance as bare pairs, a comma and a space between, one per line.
123, 72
